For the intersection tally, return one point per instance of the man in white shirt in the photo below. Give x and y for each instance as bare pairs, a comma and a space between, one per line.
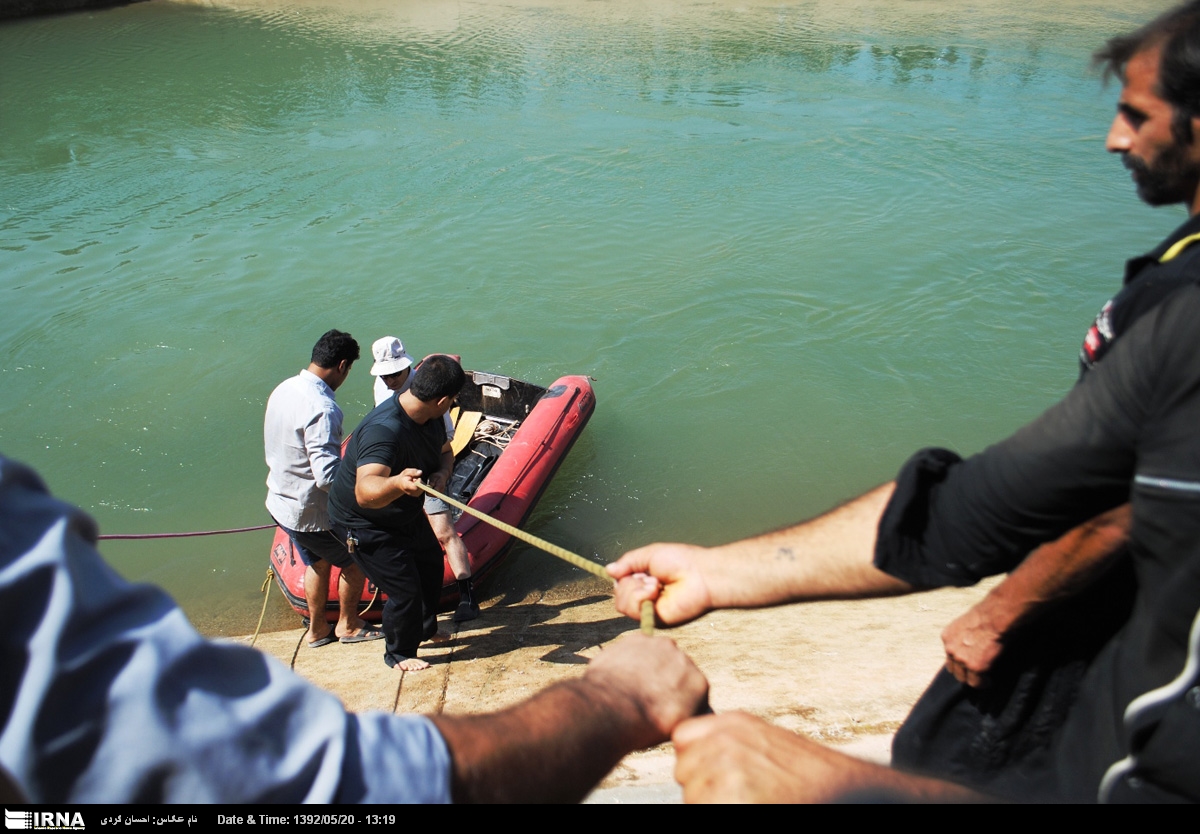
302, 434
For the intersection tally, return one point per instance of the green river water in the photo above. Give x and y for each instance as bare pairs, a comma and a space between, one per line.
791, 241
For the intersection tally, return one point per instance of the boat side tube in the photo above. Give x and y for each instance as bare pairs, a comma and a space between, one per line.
511, 490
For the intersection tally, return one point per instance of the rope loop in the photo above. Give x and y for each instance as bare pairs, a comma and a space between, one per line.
266, 592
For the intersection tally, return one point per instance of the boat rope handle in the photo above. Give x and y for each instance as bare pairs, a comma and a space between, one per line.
647, 612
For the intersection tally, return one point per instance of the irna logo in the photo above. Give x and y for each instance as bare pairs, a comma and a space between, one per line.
43, 820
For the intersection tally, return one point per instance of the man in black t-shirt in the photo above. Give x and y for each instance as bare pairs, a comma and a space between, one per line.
376, 504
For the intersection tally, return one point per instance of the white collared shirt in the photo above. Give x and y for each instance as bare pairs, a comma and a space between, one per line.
302, 435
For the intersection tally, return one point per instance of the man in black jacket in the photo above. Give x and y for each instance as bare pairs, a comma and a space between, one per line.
1128, 430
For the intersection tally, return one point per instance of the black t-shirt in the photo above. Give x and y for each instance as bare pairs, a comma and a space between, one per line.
390, 437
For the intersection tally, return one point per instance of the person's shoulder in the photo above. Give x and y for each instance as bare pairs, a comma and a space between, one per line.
285, 393
303, 392
380, 420
1188, 263
292, 383
1181, 308
1166, 336
382, 412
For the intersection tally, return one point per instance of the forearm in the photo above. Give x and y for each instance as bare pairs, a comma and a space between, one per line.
558, 744
552, 748
447, 467
829, 557
832, 776
735, 757
876, 782
1055, 571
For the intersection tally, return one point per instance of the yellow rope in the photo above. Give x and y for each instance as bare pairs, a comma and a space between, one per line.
374, 597
647, 622
575, 559
265, 590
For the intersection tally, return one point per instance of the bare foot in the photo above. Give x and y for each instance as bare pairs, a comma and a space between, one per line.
440, 637
411, 664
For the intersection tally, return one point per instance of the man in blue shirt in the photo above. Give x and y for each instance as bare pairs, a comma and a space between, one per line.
108, 695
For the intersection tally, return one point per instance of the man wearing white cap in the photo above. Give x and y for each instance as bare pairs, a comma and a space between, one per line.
393, 373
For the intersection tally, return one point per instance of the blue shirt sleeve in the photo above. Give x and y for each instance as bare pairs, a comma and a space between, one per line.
109, 695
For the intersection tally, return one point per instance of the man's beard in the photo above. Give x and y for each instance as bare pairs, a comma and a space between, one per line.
1171, 179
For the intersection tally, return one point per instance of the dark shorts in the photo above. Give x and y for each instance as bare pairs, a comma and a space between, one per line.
407, 566
319, 546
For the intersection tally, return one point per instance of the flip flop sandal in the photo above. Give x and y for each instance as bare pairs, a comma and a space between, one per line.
331, 637
364, 636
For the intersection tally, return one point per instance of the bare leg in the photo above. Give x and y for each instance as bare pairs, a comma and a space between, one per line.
316, 593
460, 563
456, 551
350, 587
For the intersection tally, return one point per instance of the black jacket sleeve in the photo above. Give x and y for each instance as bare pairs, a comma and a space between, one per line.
953, 521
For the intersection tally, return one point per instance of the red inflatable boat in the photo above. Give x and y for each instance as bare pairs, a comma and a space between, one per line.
510, 437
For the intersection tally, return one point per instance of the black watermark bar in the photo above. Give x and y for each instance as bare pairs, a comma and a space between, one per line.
97, 818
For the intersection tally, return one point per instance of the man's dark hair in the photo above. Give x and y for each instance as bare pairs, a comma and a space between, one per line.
439, 376
334, 348
1177, 32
